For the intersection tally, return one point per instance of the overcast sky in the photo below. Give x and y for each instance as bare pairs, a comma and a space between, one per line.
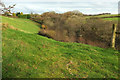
60, 6
60, 0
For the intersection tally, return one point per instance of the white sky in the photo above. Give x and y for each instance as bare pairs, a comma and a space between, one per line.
60, 0
84, 6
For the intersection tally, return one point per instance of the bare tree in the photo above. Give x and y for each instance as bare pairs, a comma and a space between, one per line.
5, 9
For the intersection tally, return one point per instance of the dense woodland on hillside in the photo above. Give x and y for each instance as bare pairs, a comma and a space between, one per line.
74, 26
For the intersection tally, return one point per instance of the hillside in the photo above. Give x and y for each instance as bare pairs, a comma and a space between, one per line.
28, 55
22, 24
111, 17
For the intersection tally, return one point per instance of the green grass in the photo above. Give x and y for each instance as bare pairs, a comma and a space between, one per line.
22, 24
112, 19
28, 55
109, 17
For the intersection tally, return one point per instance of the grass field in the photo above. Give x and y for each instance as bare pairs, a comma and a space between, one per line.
27, 55
22, 24
111, 17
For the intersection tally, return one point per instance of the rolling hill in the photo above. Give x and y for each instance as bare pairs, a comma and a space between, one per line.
28, 55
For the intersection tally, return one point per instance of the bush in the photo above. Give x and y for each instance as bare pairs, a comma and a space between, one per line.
13, 14
21, 13
22, 16
7, 14
43, 33
44, 27
26, 16
18, 13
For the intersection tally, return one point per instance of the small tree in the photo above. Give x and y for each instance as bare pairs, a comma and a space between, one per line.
21, 13
13, 14
18, 13
6, 10
43, 27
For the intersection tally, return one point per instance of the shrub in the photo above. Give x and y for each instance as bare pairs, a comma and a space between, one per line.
43, 33
13, 14
18, 13
44, 27
7, 14
22, 16
26, 16
21, 13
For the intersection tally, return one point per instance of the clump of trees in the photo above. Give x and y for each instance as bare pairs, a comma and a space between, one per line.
21, 15
73, 26
7, 11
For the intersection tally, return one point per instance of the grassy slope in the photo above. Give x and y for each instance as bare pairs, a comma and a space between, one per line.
31, 55
110, 19
111, 15
22, 24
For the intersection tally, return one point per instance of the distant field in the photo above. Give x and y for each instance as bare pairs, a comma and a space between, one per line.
111, 15
112, 19
28, 55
